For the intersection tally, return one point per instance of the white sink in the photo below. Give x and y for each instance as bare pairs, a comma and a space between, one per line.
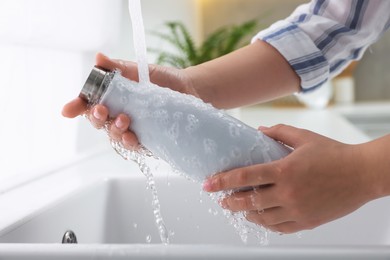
374, 125
104, 201
111, 215
373, 119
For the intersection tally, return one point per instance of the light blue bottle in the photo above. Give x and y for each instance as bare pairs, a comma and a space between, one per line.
195, 138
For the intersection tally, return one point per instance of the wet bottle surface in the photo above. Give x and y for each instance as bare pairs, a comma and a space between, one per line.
194, 137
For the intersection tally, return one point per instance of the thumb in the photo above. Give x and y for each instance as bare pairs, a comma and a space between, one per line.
128, 68
286, 134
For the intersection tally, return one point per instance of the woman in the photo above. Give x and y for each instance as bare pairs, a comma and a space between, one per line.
322, 179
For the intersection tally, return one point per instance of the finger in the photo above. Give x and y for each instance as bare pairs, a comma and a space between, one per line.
98, 116
268, 217
130, 140
128, 69
259, 199
74, 108
286, 134
255, 175
119, 126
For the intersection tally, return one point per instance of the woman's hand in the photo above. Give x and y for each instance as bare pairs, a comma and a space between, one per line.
163, 76
321, 180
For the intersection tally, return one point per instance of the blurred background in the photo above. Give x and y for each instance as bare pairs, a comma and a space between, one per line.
47, 50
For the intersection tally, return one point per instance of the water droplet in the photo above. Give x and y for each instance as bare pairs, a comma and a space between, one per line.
162, 116
135, 225
186, 159
235, 152
192, 123
177, 115
173, 132
201, 196
120, 85
234, 130
220, 114
224, 161
213, 212
124, 100
195, 163
148, 239
210, 146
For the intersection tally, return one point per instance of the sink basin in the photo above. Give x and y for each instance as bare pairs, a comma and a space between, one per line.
104, 201
373, 119
111, 215
118, 210
374, 125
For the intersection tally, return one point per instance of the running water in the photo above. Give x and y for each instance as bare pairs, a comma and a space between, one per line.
139, 40
139, 156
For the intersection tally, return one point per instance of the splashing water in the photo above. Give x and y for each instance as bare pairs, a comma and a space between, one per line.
139, 158
244, 229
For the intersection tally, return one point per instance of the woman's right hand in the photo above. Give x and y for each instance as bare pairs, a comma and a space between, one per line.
173, 78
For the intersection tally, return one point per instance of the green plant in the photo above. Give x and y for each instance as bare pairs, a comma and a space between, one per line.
219, 43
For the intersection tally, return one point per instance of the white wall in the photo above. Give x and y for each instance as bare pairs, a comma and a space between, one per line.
47, 49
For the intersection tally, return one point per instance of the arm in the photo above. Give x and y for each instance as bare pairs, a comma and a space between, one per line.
320, 181
253, 74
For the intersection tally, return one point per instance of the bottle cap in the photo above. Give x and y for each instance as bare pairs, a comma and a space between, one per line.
96, 84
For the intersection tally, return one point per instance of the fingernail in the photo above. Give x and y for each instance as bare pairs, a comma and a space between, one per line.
261, 128
104, 55
119, 123
96, 114
207, 185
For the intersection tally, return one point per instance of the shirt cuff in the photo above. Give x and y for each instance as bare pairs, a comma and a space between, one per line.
300, 52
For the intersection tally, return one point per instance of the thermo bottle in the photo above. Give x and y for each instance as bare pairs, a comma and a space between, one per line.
195, 138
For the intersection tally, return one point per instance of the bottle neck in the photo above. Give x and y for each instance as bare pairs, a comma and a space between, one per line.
96, 84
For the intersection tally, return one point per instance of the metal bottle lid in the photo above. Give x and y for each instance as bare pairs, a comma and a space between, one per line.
96, 84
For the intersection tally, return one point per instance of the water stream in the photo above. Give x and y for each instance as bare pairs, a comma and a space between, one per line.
139, 157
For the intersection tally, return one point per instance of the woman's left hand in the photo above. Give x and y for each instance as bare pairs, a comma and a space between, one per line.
321, 180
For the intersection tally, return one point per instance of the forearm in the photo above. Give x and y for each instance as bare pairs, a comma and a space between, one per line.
376, 165
253, 74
